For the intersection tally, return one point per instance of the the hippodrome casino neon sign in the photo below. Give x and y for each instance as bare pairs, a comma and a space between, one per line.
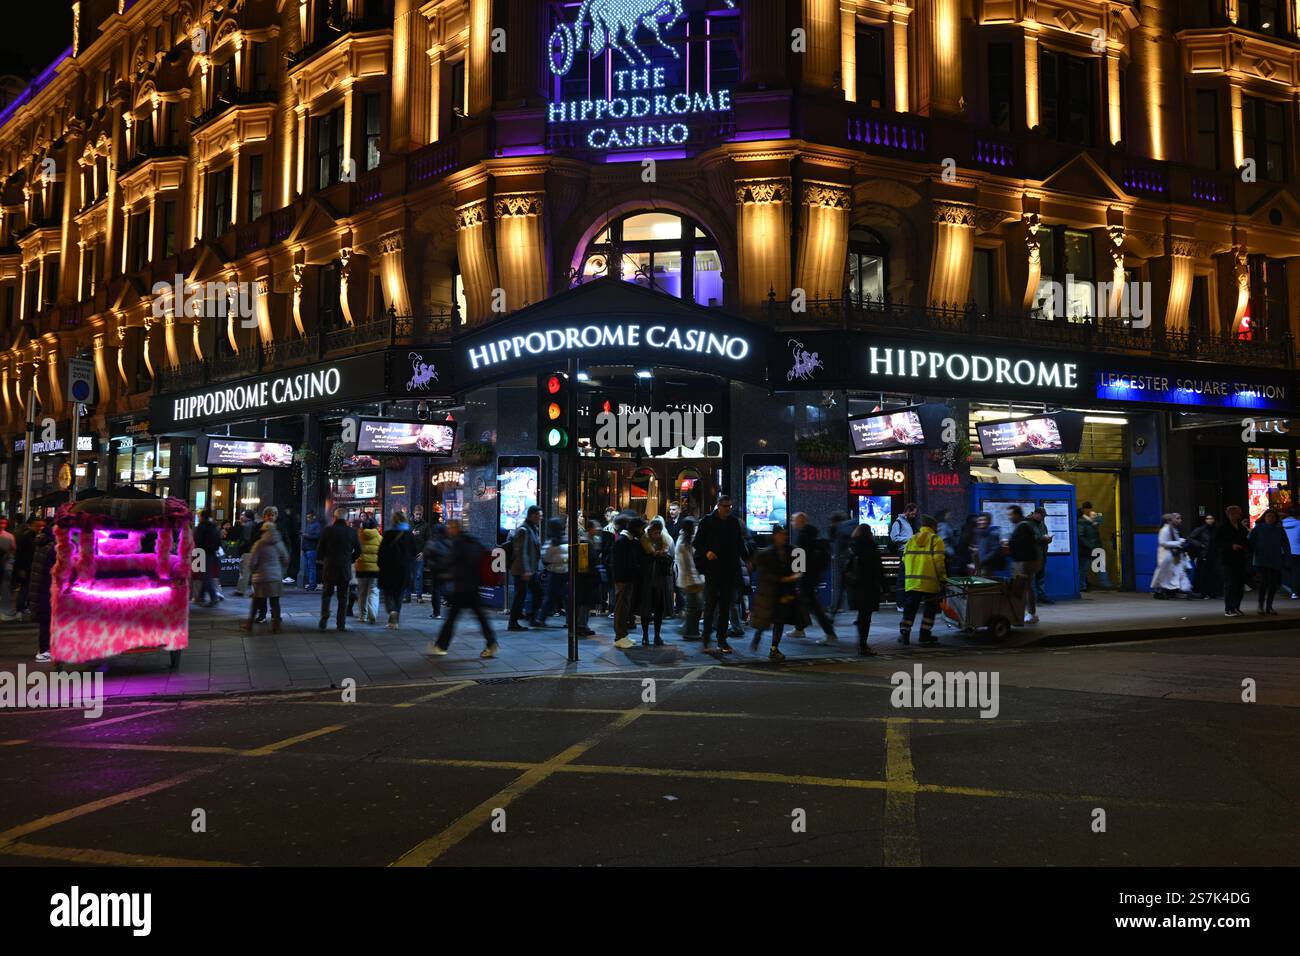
640, 110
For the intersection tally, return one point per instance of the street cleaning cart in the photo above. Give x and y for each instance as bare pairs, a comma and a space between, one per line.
972, 603
121, 578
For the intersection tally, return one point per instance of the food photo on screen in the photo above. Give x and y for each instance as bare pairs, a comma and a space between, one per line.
379, 436
1026, 436
900, 429
248, 453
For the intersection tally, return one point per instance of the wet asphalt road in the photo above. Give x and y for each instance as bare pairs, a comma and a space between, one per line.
715, 764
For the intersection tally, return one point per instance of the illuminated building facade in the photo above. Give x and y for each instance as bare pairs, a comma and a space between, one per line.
363, 184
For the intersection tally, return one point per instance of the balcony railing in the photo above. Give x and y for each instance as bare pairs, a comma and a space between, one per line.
879, 131
1085, 334
142, 157
333, 33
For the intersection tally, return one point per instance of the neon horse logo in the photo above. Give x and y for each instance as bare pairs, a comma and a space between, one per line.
805, 362
421, 373
614, 24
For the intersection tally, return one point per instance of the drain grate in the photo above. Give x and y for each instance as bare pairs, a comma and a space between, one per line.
501, 680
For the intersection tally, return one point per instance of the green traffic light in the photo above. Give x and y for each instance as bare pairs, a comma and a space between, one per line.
557, 438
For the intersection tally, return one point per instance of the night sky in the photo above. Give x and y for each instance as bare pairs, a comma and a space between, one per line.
34, 33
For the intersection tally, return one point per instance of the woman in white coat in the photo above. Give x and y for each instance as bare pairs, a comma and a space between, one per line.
1171, 577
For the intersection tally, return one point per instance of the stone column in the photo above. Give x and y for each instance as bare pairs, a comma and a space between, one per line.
824, 239
392, 272
762, 238
521, 247
477, 263
954, 251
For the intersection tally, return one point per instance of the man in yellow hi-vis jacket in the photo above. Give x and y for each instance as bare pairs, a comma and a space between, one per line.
924, 573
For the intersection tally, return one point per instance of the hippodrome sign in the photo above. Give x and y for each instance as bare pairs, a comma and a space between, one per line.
640, 110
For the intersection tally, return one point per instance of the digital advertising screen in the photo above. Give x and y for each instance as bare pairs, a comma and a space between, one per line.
1024, 436
876, 512
886, 431
766, 492
248, 453
516, 493
384, 437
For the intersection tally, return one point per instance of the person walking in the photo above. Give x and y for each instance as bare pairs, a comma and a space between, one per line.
1291, 525
287, 524
587, 593
990, 554
925, 569
1207, 579
41, 572
419, 531
7, 547
866, 577
777, 601
337, 551
949, 536
817, 555
24, 549
900, 532
267, 563
1022, 548
1271, 555
1042, 538
525, 564
248, 532
1170, 578
1091, 551
311, 532
367, 569
627, 566
689, 579
1232, 545
397, 549
555, 560
464, 558
841, 532
207, 538
656, 597
720, 548
435, 555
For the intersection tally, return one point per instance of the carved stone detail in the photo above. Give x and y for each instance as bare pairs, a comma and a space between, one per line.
752, 192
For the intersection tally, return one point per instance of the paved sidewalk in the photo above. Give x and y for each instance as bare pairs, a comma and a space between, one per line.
222, 659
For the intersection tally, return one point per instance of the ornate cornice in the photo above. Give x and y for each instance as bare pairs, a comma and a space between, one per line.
390, 242
511, 205
751, 192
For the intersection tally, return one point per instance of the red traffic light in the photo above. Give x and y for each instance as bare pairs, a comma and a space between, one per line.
553, 384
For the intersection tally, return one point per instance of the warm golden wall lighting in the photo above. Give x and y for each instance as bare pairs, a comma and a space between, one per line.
901, 103
947, 78
1154, 104
849, 55
1238, 131
1031, 79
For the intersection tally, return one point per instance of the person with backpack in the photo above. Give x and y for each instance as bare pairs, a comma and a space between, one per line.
526, 566
925, 569
865, 577
900, 532
397, 549
817, 555
464, 558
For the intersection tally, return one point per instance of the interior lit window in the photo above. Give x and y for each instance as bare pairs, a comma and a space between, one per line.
868, 255
663, 251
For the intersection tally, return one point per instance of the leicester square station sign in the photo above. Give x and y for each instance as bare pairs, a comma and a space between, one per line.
642, 108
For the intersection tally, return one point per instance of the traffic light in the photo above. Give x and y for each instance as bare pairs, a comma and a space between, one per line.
555, 410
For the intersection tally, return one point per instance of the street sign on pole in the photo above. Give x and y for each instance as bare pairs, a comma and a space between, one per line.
81, 381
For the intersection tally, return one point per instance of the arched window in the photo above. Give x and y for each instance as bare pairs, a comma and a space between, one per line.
664, 251
866, 277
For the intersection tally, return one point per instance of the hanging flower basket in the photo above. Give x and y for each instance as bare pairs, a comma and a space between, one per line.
304, 459
822, 448
338, 455
475, 453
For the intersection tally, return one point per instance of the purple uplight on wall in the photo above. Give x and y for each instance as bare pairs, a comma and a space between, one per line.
34, 87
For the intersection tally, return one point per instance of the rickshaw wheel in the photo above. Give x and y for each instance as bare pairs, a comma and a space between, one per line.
175, 660
999, 627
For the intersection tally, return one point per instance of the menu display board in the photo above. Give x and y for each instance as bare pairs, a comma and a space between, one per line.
1025, 436
1058, 526
248, 453
882, 432
385, 437
997, 512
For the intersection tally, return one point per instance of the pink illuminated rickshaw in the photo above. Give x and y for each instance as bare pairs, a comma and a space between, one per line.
121, 579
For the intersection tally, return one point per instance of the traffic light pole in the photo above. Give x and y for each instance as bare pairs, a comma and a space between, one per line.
569, 456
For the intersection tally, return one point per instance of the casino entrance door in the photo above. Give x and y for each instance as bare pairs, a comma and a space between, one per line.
649, 482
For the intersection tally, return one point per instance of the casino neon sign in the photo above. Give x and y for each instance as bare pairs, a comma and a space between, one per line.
640, 109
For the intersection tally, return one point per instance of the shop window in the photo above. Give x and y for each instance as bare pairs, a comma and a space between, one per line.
871, 70
1001, 87
663, 251
866, 273
1207, 129
1264, 131
1066, 97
